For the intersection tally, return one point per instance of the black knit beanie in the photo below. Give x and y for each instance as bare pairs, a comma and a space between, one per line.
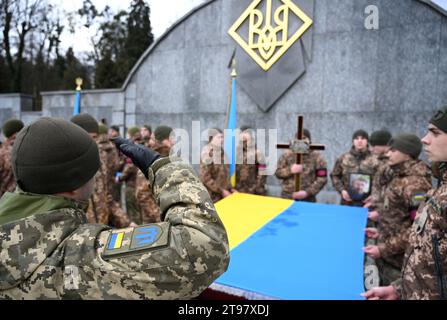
162, 133
380, 138
86, 122
12, 126
360, 133
407, 143
440, 119
53, 156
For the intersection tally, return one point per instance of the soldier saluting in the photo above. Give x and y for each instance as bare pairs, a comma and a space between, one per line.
48, 251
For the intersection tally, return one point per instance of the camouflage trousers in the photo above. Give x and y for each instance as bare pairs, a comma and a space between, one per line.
131, 204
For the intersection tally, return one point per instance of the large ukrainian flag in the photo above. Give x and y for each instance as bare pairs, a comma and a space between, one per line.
290, 250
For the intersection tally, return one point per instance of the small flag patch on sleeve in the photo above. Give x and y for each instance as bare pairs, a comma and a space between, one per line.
116, 241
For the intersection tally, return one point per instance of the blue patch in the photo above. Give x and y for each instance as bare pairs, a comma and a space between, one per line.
145, 236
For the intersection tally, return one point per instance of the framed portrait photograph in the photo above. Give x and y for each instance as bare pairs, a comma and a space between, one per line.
359, 186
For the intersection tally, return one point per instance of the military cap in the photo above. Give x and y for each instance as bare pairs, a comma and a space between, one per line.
162, 133
52, 156
440, 119
407, 143
102, 128
133, 131
360, 133
12, 126
86, 122
380, 138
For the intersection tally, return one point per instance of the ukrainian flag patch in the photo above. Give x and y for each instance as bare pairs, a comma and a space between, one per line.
138, 240
116, 241
417, 199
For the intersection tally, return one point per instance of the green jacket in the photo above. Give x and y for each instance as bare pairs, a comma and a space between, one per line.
48, 251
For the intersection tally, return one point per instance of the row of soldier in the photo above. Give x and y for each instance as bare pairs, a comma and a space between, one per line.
398, 181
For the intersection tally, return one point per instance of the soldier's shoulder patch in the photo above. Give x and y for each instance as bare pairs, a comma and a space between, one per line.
134, 241
417, 198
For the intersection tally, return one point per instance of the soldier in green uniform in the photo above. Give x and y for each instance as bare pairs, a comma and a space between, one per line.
313, 174
407, 186
423, 273
250, 165
358, 162
48, 251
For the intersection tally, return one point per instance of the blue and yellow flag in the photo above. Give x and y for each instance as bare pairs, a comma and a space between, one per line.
230, 137
285, 249
77, 104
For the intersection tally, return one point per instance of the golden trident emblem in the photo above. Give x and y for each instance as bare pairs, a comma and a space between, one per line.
268, 34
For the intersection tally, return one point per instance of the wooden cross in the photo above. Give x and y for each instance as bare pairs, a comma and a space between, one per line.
300, 148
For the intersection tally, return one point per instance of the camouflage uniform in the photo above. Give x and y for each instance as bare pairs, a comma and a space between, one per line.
148, 209
353, 162
7, 180
109, 155
248, 176
313, 178
381, 180
129, 176
54, 254
406, 190
214, 173
103, 209
425, 264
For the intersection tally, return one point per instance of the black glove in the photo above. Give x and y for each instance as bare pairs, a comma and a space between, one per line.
141, 156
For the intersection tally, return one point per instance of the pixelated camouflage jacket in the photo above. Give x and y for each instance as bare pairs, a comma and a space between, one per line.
7, 180
250, 163
353, 162
129, 174
214, 171
53, 254
313, 178
406, 190
110, 160
102, 208
424, 271
380, 181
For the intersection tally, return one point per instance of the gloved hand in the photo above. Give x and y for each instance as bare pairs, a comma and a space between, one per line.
141, 156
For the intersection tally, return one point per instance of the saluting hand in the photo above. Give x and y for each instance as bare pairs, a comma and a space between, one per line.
141, 156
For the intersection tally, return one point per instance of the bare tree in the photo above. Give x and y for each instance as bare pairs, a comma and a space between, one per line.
19, 19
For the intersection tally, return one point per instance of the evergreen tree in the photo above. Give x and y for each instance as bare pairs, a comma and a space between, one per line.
139, 37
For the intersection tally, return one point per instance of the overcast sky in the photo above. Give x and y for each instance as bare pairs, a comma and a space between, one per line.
163, 14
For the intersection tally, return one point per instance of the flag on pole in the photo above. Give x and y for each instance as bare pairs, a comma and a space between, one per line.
230, 136
77, 104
